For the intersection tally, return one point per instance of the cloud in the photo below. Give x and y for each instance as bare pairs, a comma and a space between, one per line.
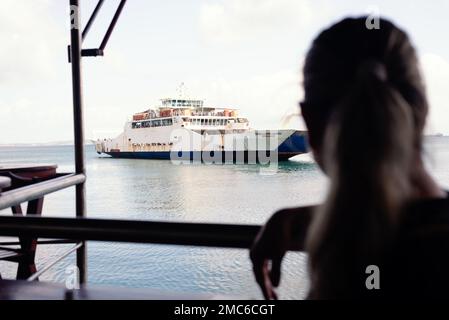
269, 100
34, 76
30, 40
436, 73
235, 20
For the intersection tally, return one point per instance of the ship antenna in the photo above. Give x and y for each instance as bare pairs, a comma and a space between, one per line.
182, 91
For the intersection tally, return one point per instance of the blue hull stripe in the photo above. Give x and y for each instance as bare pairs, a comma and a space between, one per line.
292, 146
296, 143
199, 156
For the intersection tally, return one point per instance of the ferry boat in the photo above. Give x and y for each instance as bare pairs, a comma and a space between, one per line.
185, 129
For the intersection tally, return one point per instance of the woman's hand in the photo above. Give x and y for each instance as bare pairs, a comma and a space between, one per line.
284, 231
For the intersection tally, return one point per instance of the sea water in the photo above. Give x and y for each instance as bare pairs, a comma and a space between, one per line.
158, 190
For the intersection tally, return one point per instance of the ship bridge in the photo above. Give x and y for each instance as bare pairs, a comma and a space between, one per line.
181, 103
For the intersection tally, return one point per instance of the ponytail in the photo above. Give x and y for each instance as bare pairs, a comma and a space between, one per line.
367, 149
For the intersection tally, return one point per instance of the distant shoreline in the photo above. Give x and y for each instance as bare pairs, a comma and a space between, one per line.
92, 142
45, 144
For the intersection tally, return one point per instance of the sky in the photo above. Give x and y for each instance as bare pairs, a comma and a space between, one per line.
244, 54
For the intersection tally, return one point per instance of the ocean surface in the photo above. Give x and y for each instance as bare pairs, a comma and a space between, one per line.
159, 190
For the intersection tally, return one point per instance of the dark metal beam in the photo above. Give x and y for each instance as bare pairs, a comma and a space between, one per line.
112, 25
92, 18
78, 124
92, 52
194, 234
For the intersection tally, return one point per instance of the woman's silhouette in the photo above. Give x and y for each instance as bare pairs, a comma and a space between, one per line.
365, 108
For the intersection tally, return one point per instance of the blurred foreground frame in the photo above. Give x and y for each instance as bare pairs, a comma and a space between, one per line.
15, 191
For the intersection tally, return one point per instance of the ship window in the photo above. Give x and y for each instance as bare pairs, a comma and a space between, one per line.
202, 121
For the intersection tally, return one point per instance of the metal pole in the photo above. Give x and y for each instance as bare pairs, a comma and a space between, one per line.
35, 191
170, 233
92, 18
75, 53
41, 271
112, 25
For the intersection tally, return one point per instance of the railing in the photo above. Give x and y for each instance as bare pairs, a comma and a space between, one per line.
14, 197
192, 234
35, 191
79, 230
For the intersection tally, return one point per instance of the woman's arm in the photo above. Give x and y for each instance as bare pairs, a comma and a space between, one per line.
285, 230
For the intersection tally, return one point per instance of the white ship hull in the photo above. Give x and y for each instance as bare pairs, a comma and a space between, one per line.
183, 144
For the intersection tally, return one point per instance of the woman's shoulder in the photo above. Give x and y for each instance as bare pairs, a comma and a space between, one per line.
426, 225
419, 259
427, 213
